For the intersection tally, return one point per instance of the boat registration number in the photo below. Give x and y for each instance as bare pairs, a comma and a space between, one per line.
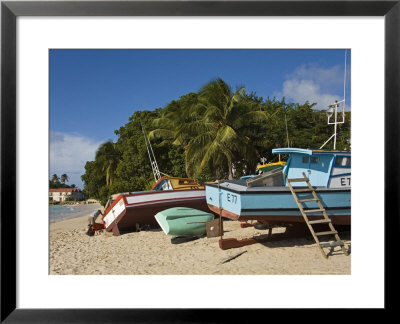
345, 181
231, 198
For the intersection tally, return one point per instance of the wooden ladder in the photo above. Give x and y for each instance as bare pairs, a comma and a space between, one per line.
324, 220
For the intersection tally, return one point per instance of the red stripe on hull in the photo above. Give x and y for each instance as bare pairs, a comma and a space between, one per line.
160, 192
279, 219
172, 200
224, 213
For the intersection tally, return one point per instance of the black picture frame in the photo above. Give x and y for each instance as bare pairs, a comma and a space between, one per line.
10, 10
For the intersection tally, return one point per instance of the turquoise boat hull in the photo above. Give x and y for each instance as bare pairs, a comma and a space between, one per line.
268, 199
275, 204
183, 221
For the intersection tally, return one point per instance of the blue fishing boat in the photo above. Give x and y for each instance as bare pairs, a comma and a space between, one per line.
268, 199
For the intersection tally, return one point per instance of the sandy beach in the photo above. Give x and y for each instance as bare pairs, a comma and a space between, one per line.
151, 252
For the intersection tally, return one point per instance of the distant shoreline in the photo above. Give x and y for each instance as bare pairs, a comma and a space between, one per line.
67, 203
80, 210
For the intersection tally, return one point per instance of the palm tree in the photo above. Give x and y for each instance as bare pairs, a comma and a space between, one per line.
64, 178
219, 127
55, 178
108, 157
174, 125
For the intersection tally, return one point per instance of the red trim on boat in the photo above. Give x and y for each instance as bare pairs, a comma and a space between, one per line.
155, 185
164, 200
224, 213
160, 192
337, 220
112, 205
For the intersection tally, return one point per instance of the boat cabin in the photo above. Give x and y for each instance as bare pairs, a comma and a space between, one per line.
176, 183
324, 168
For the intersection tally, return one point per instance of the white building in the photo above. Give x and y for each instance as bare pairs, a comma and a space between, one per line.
62, 193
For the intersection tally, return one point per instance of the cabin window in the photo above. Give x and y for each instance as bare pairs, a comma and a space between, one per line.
314, 159
182, 182
306, 159
343, 161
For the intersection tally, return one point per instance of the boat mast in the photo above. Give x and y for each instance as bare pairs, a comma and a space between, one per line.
153, 162
287, 133
333, 109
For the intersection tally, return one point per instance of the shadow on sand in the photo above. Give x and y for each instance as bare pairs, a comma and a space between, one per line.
298, 235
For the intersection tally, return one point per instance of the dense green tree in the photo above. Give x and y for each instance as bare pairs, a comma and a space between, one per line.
108, 157
64, 178
55, 178
174, 126
221, 119
55, 183
100, 173
213, 134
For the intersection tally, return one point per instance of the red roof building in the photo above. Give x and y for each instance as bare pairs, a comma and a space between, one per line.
61, 194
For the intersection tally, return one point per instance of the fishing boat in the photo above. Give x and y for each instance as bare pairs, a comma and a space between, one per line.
268, 199
183, 221
176, 183
133, 211
271, 166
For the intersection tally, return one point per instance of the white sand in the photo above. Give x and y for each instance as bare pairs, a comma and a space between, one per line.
151, 252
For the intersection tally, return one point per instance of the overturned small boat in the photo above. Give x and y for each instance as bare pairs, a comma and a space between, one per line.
183, 221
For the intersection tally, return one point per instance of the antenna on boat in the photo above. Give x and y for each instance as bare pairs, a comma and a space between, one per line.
333, 109
153, 162
287, 133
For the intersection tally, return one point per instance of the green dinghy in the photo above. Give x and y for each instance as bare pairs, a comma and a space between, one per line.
183, 221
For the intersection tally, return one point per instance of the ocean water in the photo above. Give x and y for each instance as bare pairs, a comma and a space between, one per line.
60, 212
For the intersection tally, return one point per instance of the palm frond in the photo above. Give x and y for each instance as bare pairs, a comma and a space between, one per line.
161, 134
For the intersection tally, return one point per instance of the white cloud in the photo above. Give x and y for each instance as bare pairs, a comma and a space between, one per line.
69, 154
312, 83
307, 90
327, 76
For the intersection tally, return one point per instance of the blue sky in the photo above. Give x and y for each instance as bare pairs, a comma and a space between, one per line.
94, 92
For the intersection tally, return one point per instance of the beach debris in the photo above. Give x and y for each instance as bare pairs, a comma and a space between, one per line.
183, 239
261, 226
230, 258
90, 230
95, 228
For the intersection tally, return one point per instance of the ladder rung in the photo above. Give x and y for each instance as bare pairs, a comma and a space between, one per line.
303, 190
319, 221
297, 180
331, 244
325, 233
313, 210
310, 199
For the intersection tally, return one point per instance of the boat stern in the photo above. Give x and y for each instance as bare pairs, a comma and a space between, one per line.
117, 210
223, 201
